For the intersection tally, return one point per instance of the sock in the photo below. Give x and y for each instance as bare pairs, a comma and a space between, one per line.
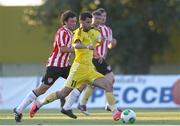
87, 94
30, 97
71, 99
111, 101
106, 102
50, 98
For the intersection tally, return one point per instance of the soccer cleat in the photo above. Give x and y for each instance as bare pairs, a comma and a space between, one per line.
69, 113
18, 116
117, 115
33, 109
83, 109
107, 108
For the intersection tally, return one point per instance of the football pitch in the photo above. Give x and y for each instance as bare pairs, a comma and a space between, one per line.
97, 117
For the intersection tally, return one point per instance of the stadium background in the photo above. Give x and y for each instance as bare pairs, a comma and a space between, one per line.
25, 47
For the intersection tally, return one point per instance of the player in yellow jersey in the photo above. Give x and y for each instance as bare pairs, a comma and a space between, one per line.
84, 41
100, 54
82, 70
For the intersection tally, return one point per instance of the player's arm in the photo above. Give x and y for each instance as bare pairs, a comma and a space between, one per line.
99, 40
79, 45
112, 42
66, 49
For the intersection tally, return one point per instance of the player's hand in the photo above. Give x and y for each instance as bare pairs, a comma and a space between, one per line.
95, 54
100, 60
112, 44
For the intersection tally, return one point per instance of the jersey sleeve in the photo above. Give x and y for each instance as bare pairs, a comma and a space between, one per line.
99, 37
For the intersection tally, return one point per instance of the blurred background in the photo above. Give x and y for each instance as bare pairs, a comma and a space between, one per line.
148, 34
146, 60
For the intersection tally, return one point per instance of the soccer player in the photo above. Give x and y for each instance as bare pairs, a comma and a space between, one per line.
96, 21
99, 59
84, 40
58, 63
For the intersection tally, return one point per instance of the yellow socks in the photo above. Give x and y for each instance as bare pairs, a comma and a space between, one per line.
86, 95
111, 101
50, 98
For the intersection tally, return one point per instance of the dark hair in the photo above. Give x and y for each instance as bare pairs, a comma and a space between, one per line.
101, 10
85, 15
66, 15
97, 13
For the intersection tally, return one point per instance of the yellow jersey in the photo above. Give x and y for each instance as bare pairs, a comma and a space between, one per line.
91, 37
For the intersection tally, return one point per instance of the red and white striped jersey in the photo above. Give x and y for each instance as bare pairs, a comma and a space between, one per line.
57, 58
106, 34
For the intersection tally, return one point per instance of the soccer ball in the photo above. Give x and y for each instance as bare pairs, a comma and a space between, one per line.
128, 116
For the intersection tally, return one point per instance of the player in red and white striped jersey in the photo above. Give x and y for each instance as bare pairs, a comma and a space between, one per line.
99, 59
58, 62
108, 41
102, 49
59, 58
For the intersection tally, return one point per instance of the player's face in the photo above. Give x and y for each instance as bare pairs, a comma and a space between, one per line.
71, 23
86, 24
97, 19
104, 16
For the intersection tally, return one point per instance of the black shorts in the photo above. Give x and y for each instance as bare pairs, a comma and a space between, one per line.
102, 68
53, 73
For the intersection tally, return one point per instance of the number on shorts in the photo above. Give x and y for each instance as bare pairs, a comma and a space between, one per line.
73, 83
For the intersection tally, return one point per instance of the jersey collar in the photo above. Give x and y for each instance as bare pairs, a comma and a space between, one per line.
67, 29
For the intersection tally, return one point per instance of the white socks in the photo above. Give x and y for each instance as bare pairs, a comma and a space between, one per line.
71, 99
27, 100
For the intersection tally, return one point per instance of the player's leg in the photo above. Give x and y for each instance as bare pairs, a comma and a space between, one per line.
30, 97
47, 81
109, 76
104, 69
70, 83
70, 100
75, 80
103, 83
87, 93
73, 97
50, 98
61, 94
89, 89
66, 71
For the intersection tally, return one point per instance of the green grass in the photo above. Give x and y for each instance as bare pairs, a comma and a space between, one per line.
98, 117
